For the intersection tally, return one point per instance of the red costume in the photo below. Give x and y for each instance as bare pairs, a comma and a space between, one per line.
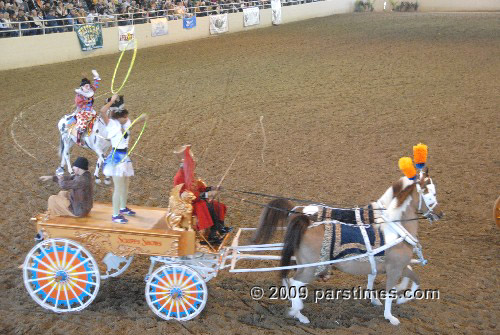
185, 175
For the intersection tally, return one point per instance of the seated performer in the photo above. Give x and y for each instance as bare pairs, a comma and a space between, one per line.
76, 199
210, 214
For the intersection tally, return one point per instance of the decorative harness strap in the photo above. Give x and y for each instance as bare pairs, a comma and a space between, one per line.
368, 246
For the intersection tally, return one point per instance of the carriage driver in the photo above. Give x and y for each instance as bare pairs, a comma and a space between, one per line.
77, 195
210, 213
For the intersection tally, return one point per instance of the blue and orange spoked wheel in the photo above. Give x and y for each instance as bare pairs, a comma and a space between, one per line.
61, 275
176, 292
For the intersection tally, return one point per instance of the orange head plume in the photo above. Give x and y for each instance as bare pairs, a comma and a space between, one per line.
420, 155
406, 165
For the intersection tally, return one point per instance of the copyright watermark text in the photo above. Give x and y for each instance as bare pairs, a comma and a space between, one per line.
354, 293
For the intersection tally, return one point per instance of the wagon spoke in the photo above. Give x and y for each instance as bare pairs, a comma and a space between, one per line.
58, 294
73, 291
50, 292
197, 291
168, 278
194, 284
165, 304
160, 287
79, 264
45, 264
81, 288
65, 253
44, 286
169, 311
58, 262
190, 305
158, 293
188, 280
82, 273
165, 297
67, 297
83, 281
74, 256
195, 299
183, 306
164, 282
177, 308
40, 278
48, 257
38, 270
179, 281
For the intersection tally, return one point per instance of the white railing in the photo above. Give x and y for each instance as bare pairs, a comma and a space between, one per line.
43, 26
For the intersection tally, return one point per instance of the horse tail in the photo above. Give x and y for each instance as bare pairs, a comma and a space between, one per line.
274, 214
296, 229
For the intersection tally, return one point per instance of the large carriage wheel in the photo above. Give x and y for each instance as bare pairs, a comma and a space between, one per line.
61, 275
176, 292
115, 265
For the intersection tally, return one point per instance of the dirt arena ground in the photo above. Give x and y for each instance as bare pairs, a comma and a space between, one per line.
343, 97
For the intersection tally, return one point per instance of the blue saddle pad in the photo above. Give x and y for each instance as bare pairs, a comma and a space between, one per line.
348, 241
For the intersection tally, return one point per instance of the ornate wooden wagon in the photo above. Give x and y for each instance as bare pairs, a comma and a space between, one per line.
63, 271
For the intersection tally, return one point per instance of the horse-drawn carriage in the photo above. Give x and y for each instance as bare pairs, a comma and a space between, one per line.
63, 271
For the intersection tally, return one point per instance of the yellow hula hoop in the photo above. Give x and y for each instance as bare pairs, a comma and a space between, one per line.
136, 141
129, 68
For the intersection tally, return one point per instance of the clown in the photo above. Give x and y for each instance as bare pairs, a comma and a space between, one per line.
84, 101
210, 213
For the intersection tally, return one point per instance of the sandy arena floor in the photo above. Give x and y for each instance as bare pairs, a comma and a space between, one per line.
343, 97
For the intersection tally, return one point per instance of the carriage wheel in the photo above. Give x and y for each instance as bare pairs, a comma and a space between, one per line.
61, 275
115, 265
176, 292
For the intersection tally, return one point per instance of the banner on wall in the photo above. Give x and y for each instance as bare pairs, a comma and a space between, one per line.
276, 11
126, 34
251, 16
218, 24
89, 36
159, 27
189, 22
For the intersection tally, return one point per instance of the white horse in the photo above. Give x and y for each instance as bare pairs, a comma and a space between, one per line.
96, 142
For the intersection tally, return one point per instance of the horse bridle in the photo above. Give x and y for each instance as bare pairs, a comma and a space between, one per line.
429, 199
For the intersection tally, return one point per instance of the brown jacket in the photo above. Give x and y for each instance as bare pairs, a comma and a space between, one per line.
81, 192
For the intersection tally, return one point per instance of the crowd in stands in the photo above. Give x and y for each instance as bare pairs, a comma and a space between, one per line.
63, 15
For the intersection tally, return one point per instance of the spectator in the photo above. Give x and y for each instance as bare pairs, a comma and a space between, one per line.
52, 23
71, 22
4, 24
82, 16
123, 17
37, 23
92, 17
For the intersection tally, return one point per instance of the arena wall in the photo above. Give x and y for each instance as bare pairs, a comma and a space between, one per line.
53, 48
447, 5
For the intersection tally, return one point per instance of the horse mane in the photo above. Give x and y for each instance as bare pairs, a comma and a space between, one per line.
401, 190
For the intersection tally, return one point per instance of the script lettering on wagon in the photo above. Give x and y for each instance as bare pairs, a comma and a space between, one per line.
142, 242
